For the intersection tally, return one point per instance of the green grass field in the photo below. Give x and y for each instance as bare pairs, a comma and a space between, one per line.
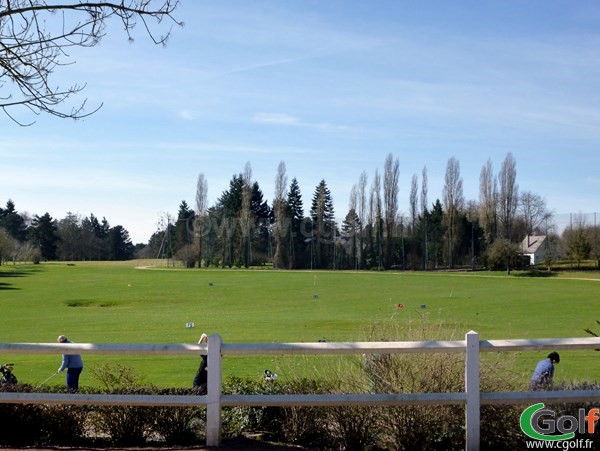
119, 303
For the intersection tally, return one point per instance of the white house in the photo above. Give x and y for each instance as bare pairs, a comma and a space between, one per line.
535, 247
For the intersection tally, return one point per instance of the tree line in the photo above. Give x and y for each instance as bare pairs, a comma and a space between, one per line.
71, 238
242, 229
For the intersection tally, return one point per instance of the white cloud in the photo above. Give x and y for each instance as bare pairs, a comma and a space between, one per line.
291, 121
187, 115
275, 118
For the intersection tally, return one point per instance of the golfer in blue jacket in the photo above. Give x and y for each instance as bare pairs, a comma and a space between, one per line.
544, 372
73, 363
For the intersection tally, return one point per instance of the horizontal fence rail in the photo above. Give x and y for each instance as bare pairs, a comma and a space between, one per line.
472, 397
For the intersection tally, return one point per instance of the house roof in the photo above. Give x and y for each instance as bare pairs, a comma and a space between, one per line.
531, 243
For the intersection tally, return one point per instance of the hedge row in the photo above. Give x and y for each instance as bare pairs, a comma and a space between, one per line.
326, 428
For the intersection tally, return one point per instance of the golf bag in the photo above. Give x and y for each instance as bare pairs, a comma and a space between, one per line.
7, 375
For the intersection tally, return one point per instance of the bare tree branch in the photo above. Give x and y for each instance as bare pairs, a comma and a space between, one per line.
34, 43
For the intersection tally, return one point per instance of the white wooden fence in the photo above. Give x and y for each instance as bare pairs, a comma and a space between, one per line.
472, 397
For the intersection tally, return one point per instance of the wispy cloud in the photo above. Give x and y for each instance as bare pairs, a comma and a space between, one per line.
187, 115
276, 119
230, 148
291, 121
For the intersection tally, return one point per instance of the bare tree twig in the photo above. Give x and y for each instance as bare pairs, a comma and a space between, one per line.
30, 53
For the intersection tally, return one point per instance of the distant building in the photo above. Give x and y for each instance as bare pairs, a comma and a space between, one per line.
536, 248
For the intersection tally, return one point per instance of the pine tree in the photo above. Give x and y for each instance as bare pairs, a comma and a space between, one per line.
13, 222
261, 220
351, 228
120, 244
322, 215
184, 226
225, 215
297, 236
43, 232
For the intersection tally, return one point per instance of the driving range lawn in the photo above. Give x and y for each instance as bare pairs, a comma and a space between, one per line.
122, 303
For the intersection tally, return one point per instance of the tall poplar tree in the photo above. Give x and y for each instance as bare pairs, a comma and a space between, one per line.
391, 179
488, 202
453, 203
424, 201
201, 224
280, 211
509, 195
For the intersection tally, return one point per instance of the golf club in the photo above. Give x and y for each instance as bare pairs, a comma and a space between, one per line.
42, 383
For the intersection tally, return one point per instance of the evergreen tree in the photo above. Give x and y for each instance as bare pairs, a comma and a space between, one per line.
297, 235
184, 233
225, 215
261, 220
13, 222
119, 244
351, 228
436, 233
95, 237
241, 246
43, 233
322, 215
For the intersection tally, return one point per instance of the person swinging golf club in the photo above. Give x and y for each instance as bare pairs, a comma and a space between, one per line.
201, 378
73, 363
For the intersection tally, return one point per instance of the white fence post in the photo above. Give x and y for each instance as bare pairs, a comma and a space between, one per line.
213, 407
472, 389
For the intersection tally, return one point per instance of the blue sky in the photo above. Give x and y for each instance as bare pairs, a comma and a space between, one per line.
329, 87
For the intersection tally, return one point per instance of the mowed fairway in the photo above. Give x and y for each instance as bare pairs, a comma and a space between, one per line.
119, 303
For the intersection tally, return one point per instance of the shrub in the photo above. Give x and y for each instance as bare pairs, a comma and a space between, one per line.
295, 425
237, 420
21, 424
503, 254
304, 425
178, 425
353, 428
408, 426
63, 424
499, 424
125, 425
416, 427
115, 376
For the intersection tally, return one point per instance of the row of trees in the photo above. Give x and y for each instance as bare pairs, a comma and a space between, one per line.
70, 238
242, 229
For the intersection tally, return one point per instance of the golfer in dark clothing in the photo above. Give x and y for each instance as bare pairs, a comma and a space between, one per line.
73, 363
201, 378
